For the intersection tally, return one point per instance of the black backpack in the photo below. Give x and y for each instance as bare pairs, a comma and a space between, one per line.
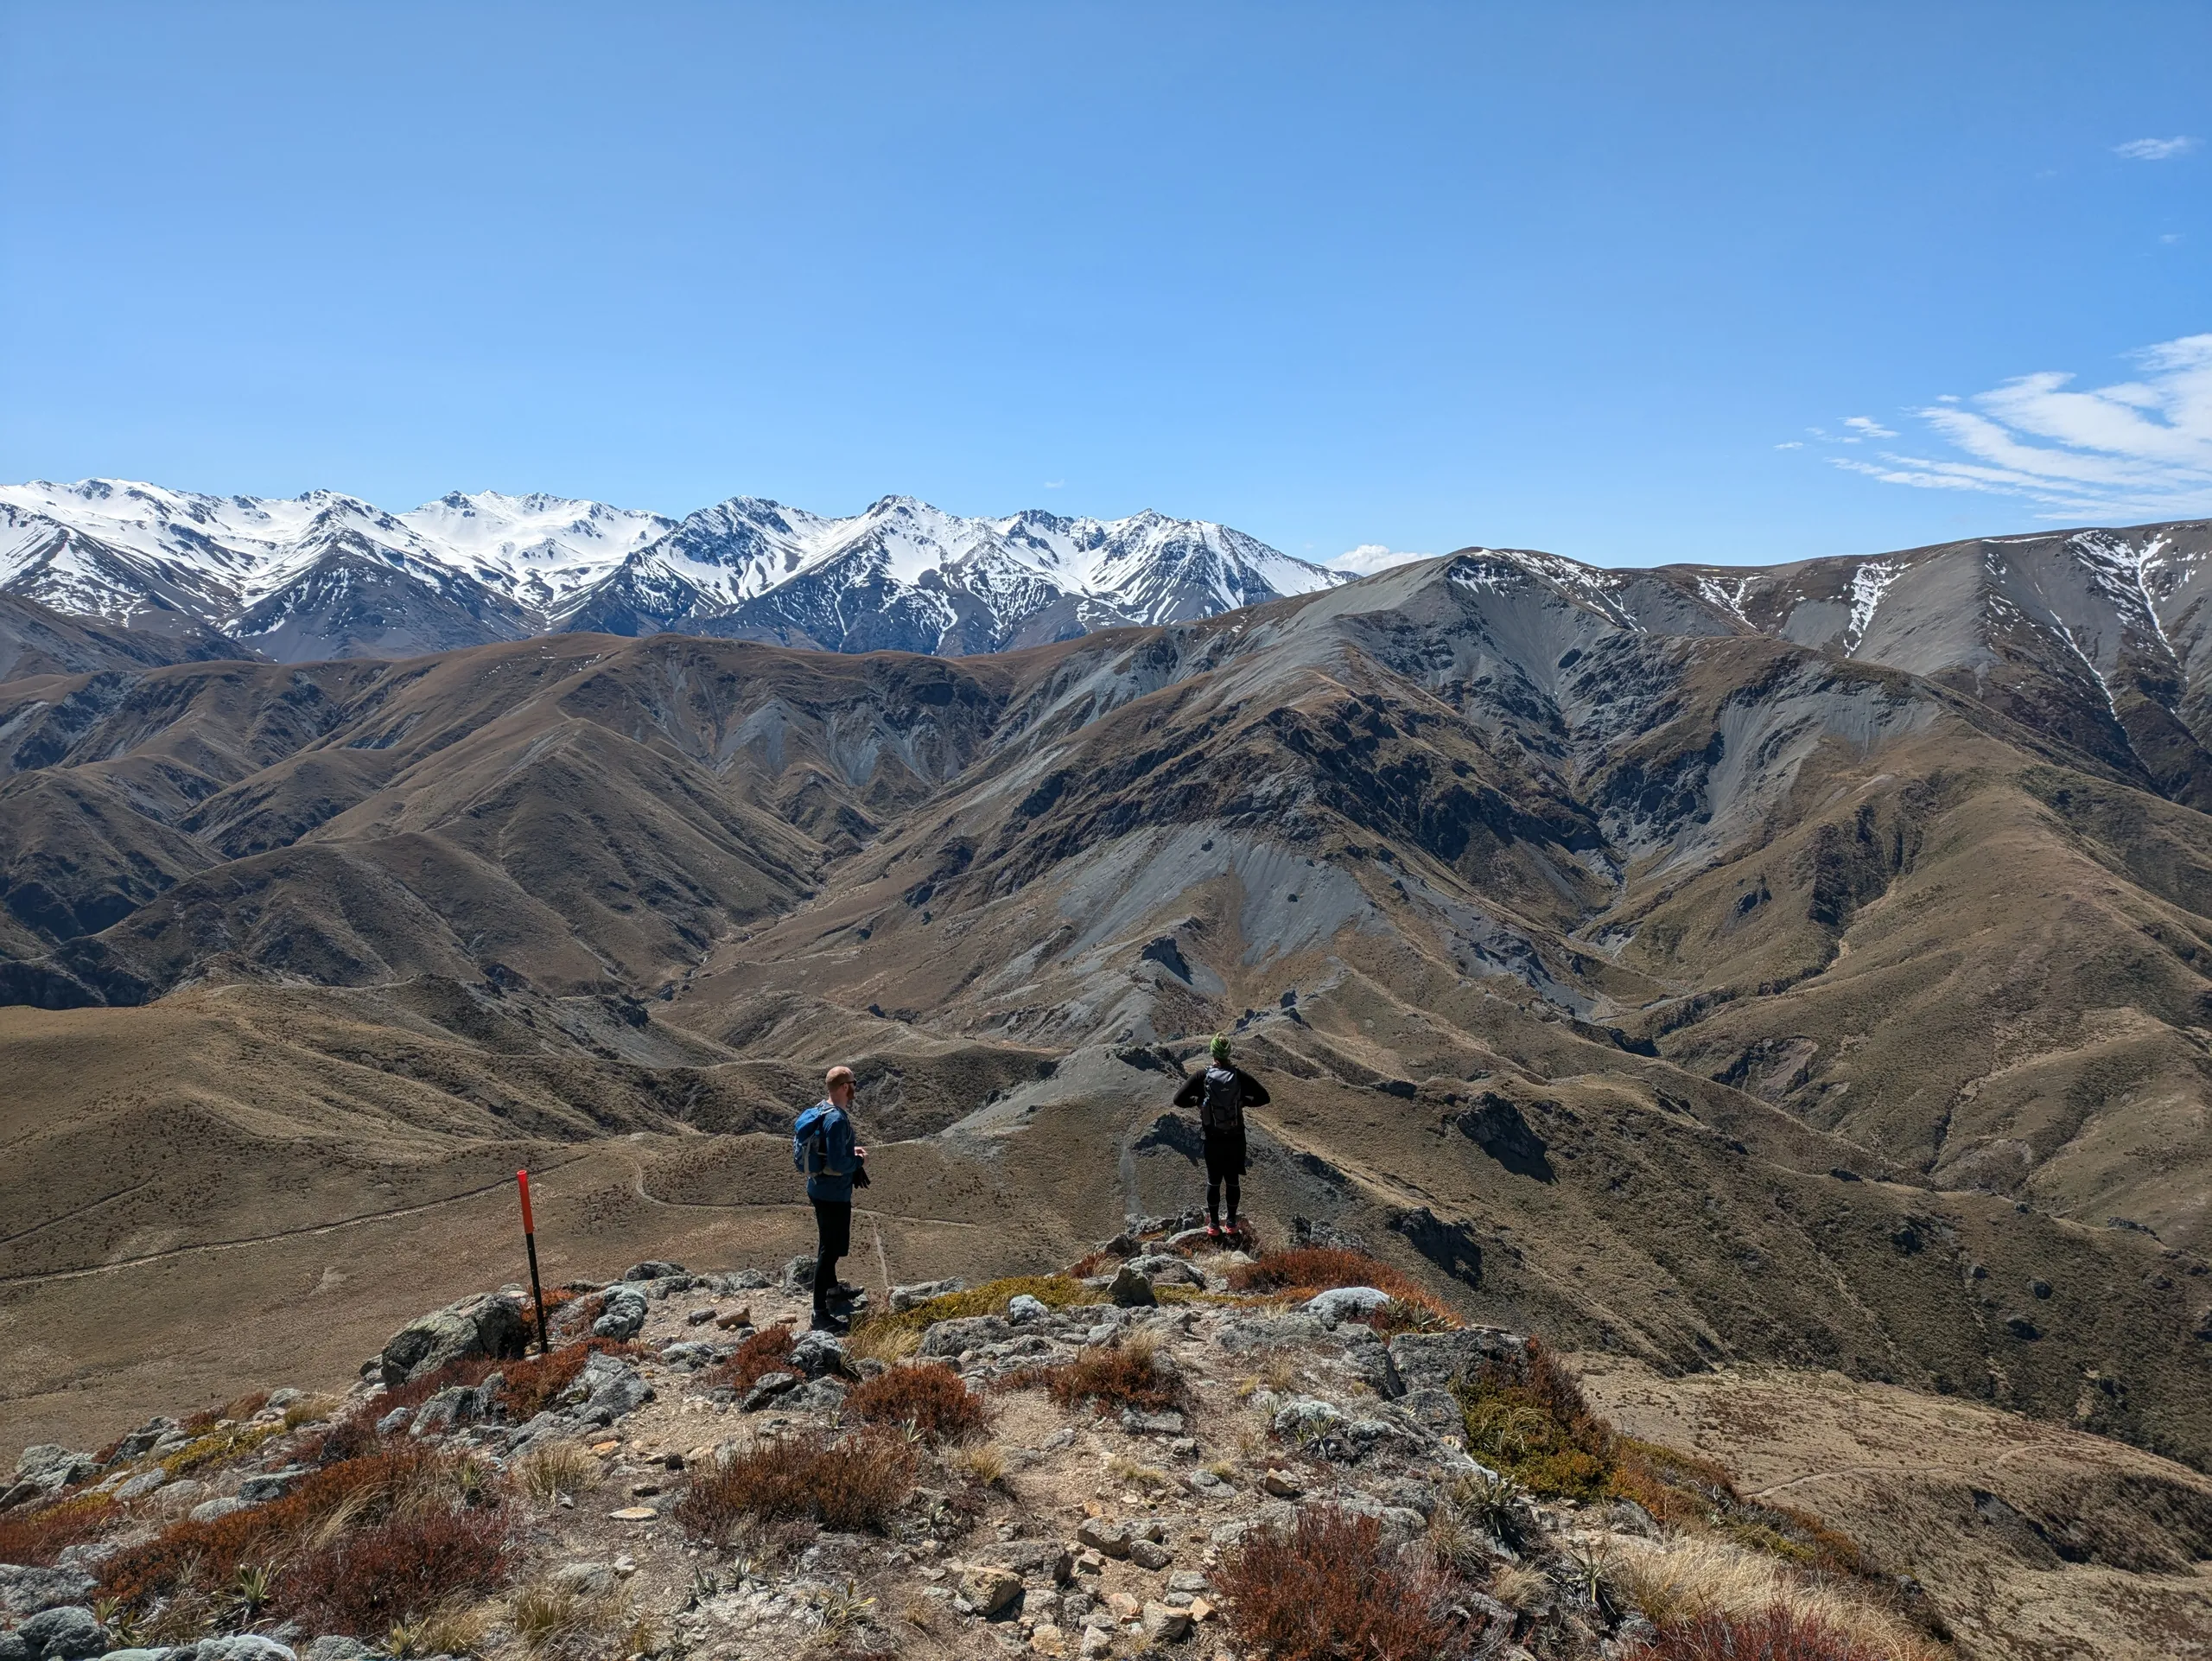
1220, 1105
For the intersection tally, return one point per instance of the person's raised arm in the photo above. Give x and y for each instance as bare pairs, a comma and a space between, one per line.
1193, 1087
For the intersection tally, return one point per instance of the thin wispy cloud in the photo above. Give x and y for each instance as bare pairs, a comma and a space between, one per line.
2140, 447
1865, 427
1372, 557
2155, 149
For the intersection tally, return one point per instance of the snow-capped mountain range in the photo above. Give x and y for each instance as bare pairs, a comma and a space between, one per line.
329, 576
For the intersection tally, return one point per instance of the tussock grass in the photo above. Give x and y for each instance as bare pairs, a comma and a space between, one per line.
1703, 1592
558, 1467
855, 1483
554, 1619
313, 1409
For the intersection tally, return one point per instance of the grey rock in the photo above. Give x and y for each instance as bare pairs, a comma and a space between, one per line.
815, 1354
1102, 1536
86, 1555
1165, 1268
823, 1395
1130, 1290
653, 1270
394, 1421
144, 1483
1150, 1554
140, 1442
690, 1356
799, 1275
745, 1280
26, 1589
134, 1655
591, 1579
490, 1325
1187, 1580
767, 1387
1341, 1302
1438, 1360
624, 1318
272, 1485
1138, 1422
1249, 1334
1165, 1624
615, 1389
336, 1646
701, 1317
904, 1298
65, 1632
1436, 1412
50, 1467
208, 1510
948, 1338
1021, 1308
245, 1646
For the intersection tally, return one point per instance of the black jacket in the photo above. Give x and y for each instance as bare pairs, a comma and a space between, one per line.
1250, 1092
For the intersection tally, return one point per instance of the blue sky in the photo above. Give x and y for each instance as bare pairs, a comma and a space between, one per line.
1416, 277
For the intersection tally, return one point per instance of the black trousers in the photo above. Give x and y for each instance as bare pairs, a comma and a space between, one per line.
833, 1239
1225, 1164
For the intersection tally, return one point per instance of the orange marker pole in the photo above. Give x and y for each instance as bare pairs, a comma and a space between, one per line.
530, 1240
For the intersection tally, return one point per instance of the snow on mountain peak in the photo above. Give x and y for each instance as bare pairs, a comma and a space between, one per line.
120, 549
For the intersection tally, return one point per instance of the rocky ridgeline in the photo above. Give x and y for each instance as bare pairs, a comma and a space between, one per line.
1061, 1529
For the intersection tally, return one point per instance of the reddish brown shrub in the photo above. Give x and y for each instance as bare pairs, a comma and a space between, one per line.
371, 1579
1304, 1271
1780, 1633
244, 1407
41, 1536
764, 1352
1120, 1376
529, 1387
931, 1398
854, 1483
1329, 1590
205, 1554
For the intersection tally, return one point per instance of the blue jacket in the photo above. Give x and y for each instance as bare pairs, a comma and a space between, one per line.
822, 1145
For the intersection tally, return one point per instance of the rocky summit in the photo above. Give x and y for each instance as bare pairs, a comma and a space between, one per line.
1258, 1454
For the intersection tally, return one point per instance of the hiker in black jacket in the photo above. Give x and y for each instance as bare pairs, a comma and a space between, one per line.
1221, 1094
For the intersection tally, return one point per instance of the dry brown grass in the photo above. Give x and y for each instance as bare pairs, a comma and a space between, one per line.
313, 1409
853, 1482
1329, 1590
551, 1618
1693, 1579
930, 1400
357, 1547
1303, 1271
558, 1467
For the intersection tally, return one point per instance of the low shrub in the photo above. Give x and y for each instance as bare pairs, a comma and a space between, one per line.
214, 1446
1302, 1271
242, 1408
1685, 1491
41, 1536
764, 1352
530, 1386
1106, 1376
353, 1547
1529, 1420
400, 1569
851, 1483
931, 1399
1327, 1590
1775, 1633
1054, 1291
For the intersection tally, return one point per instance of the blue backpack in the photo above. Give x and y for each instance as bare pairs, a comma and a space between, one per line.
810, 1139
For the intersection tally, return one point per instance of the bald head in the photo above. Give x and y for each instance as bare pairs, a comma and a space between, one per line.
839, 1081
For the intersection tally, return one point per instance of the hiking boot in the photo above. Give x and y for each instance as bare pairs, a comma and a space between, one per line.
824, 1321
845, 1292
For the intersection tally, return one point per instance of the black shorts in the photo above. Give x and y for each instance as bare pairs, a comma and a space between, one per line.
833, 1227
1224, 1153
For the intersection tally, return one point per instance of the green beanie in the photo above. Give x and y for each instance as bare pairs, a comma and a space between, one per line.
1220, 1047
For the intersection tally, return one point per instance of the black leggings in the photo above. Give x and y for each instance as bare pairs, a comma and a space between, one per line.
833, 1229
1213, 1197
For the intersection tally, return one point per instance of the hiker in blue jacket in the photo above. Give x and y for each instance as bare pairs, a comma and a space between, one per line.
823, 1147
1221, 1094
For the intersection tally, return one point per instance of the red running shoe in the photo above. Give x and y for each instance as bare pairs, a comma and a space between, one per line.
1214, 1233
